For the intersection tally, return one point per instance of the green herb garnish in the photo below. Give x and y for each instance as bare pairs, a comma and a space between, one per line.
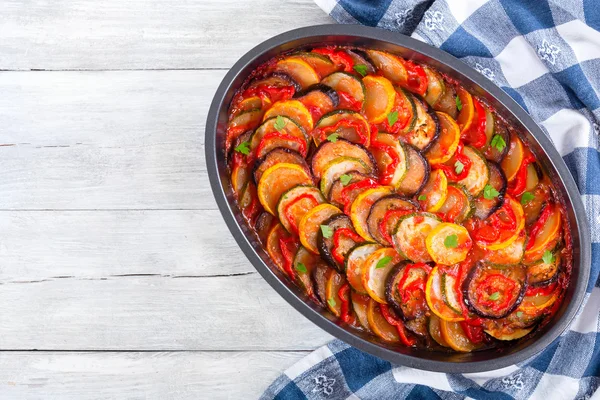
519, 314
495, 296
548, 257
383, 262
279, 123
331, 302
422, 197
327, 231
361, 69
451, 241
300, 267
243, 148
527, 197
345, 179
489, 192
333, 137
498, 142
458, 103
392, 118
459, 167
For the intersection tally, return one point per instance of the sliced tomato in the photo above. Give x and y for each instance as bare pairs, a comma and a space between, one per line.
416, 80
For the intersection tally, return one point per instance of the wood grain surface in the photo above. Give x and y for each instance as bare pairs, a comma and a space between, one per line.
118, 276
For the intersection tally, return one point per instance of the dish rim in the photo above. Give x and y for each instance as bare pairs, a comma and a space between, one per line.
215, 159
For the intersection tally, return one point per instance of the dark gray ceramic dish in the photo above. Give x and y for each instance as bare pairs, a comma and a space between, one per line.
472, 80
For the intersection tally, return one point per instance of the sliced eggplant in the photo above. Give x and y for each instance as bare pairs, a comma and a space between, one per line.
360, 58
244, 122
498, 152
235, 157
347, 86
334, 283
420, 327
295, 203
290, 129
340, 166
299, 70
361, 206
310, 225
263, 225
304, 264
444, 148
417, 175
486, 207
345, 124
329, 151
493, 292
392, 162
275, 156
508, 256
427, 126
355, 262
384, 216
479, 172
459, 204
534, 207
343, 192
411, 234
346, 239
447, 102
277, 80
543, 273
405, 289
319, 277
326, 96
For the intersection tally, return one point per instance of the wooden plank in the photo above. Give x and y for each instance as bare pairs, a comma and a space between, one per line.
166, 376
152, 313
142, 34
37, 245
87, 140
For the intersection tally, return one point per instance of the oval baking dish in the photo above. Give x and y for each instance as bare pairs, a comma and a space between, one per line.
475, 83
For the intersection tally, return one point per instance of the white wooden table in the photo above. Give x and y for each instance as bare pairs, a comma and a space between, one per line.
118, 277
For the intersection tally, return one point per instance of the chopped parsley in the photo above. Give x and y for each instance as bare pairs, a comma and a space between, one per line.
392, 118
243, 148
459, 167
458, 103
361, 69
331, 301
526, 198
383, 262
301, 267
498, 142
345, 179
548, 257
422, 197
489, 192
519, 314
495, 296
451, 241
279, 123
333, 137
327, 231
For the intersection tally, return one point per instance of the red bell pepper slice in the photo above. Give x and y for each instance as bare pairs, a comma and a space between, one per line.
290, 217
336, 242
517, 186
386, 176
417, 78
539, 224
476, 134
344, 295
495, 284
281, 135
450, 170
359, 128
288, 247
339, 57
404, 337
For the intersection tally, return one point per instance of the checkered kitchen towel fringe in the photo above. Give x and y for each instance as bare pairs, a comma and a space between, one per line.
546, 55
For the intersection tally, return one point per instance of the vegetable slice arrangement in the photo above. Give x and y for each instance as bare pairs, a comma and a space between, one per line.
397, 200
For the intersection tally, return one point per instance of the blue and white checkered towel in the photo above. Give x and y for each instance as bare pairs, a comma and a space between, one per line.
546, 55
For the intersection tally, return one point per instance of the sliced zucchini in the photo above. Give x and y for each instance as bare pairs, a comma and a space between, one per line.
479, 172
435, 191
360, 302
349, 87
294, 110
466, 115
277, 180
340, 166
329, 151
405, 289
511, 255
359, 57
379, 99
319, 96
310, 225
344, 124
379, 324
444, 148
268, 128
447, 102
391, 158
491, 152
295, 203
454, 334
384, 216
448, 243
441, 297
514, 157
247, 104
427, 127
279, 241
243, 122
435, 330
537, 300
334, 283
493, 292
411, 234
276, 156
304, 265
299, 70
322, 64
361, 206
406, 108
459, 204
543, 273
533, 176
389, 65
355, 262
486, 207
435, 86
343, 193
509, 333
240, 176
534, 207
376, 269
417, 174
346, 240
544, 234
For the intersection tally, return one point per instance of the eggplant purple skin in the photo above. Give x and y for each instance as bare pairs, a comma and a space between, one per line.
501, 192
328, 91
375, 171
550, 280
362, 58
436, 120
427, 168
291, 152
395, 196
472, 307
324, 248
319, 284
390, 286
281, 75
240, 139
